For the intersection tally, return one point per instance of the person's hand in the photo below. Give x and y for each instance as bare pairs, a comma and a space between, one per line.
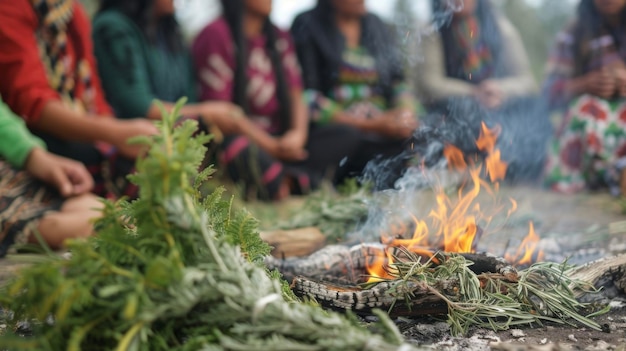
226, 116
619, 73
397, 123
489, 94
68, 176
285, 150
125, 129
293, 139
600, 83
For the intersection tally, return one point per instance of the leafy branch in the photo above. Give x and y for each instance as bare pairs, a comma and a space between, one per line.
542, 292
172, 271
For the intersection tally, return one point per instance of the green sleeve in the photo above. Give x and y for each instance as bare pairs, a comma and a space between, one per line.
16, 141
122, 55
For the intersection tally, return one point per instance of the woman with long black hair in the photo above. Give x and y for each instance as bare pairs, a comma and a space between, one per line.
586, 83
472, 67
354, 75
142, 57
243, 58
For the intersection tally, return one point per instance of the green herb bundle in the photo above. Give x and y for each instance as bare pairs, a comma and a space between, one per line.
172, 271
542, 292
334, 215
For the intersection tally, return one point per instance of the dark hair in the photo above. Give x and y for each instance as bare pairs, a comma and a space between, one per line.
139, 11
376, 37
233, 14
590, 25
490, 32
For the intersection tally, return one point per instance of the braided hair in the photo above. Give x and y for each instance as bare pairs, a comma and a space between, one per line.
233, 14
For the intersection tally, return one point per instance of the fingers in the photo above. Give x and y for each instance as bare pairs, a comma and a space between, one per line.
81, 179
61, 181
71, 177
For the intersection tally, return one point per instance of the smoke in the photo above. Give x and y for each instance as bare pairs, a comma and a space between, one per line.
404, 180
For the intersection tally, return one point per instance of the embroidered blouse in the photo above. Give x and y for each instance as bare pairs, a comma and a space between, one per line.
30, 79
214, 58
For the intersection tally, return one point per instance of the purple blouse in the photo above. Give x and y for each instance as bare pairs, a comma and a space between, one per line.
214, 58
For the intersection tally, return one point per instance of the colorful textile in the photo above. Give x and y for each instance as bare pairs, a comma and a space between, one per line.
357, 90
370, 76
477, 61
260, 174
134, 71
23, 201
589, 144
213, 55
47, 56
562, 63
32, 30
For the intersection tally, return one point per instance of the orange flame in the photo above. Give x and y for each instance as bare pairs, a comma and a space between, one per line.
456, 160
452, 224
527, 252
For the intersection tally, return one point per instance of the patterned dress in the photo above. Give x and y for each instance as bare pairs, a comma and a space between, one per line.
357, 90
589, 148
246, 163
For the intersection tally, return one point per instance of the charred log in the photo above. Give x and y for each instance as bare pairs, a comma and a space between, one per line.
386, 296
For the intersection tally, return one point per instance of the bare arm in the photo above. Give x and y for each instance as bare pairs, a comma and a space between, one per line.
67, 124
63, 122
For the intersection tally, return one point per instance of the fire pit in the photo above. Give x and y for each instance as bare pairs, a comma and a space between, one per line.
430, 266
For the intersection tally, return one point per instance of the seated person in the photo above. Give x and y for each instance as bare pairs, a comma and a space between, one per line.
142, 57
353, 75
49, 195
243, 58
586, 81
49, 78
472, 68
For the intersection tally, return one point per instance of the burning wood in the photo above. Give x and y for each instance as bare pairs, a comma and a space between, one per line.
472, 289
337, 278
432, 268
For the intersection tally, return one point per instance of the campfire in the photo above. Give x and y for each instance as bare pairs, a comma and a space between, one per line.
431, 266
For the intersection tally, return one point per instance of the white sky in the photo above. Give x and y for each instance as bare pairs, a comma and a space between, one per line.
194, 14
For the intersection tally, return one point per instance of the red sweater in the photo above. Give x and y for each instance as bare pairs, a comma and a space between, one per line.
23, 82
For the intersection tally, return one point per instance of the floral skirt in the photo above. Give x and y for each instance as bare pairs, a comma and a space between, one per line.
590, 147
23, 201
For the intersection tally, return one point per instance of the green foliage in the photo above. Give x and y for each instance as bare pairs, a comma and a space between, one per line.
172, 271
334, 215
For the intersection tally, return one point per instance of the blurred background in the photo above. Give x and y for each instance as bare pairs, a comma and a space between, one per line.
538, 21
